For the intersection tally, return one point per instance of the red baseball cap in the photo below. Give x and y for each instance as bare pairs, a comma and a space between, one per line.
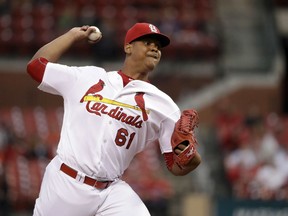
146, 29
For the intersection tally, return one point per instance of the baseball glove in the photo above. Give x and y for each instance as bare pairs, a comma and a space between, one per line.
184, 134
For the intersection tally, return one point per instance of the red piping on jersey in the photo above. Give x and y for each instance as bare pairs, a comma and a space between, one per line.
126, 79
36, 68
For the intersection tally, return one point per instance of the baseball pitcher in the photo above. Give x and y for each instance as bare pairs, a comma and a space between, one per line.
109, 117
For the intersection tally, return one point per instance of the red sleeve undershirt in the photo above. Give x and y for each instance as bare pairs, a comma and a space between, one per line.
36, 68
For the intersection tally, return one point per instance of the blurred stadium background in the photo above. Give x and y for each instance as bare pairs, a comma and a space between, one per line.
228, 59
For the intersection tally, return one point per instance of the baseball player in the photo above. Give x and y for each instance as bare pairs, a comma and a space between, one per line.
109, 117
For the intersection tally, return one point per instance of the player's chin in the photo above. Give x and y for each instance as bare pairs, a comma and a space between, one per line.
151, 67
152, 63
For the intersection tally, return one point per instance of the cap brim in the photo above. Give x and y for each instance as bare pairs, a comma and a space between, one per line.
163, 39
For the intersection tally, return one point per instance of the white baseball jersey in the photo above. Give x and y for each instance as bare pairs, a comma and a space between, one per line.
106, 122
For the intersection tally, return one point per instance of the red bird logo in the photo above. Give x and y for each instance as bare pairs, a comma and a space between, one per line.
94, 89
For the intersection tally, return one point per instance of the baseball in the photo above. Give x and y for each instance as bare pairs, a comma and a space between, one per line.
94, 36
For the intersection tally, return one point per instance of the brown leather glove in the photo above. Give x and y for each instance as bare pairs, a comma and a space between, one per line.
183, 140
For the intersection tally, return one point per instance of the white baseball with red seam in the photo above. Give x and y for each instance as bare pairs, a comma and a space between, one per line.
95, 35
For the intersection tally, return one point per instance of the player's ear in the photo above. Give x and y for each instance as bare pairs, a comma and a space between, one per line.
127, 48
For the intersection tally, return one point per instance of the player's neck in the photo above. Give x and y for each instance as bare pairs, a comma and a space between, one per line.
137, 76
135, 73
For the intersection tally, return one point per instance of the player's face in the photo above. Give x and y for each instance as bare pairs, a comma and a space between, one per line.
147, 51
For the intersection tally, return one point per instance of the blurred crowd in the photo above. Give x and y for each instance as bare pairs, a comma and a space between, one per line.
254, 148
25, 25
